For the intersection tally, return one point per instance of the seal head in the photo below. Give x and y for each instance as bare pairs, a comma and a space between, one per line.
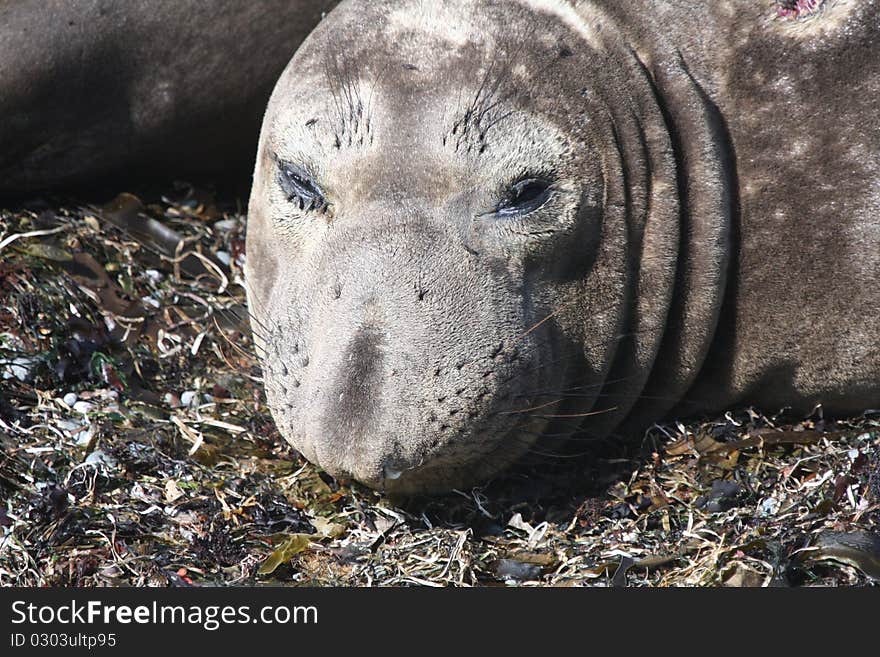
442, 249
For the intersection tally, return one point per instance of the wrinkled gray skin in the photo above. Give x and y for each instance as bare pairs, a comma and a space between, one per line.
710, 236
131, 89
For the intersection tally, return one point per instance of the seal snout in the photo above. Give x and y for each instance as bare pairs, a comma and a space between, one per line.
404, 370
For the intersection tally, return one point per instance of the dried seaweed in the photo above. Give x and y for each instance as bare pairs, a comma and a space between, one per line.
136, 449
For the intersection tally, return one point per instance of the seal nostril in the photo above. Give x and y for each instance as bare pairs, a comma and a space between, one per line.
358, 385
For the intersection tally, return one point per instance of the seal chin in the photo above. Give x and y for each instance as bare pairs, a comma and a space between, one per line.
444, 474
471, 459
383, 475
388, 473
424, 479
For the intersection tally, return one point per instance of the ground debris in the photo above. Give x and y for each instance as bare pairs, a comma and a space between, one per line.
136, 449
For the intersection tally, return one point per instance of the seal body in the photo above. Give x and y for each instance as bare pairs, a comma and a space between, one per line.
477, 223
92, 89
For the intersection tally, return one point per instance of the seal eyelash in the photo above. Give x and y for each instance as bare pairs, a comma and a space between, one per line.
300, 188
524, 197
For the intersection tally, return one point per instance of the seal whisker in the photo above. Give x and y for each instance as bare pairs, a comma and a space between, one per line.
603, 411
558, 455
530, 409
559, 309
238, 348
254, 300
541, 322
562, 391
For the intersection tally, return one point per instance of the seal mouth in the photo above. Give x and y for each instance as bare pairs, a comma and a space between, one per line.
458, 465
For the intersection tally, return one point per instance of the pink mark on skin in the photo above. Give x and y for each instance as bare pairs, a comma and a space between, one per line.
796, 9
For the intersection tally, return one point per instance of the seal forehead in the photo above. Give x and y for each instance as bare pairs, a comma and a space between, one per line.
441, 20
453, 22
457, 25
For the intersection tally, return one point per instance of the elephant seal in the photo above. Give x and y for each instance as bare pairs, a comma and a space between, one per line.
97, 89
476, 223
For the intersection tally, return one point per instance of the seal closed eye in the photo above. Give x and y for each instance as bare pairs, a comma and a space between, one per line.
300, 187
523, 197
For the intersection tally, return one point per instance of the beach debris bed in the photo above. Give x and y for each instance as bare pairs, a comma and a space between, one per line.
136, 448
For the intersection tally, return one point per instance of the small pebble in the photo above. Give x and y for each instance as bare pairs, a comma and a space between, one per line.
509, 569
224, 225
768, 507
171, 400
223, 257
723, 496
18, 368
99, 457
83, 407
189, 398
68, 425
70, 398
83, 438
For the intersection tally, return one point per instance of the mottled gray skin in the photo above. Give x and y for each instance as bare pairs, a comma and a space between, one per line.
710, 237
94, 89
